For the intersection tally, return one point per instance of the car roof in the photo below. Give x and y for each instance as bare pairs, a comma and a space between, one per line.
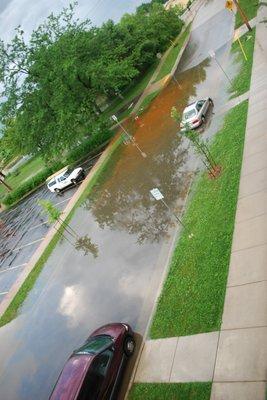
190, 107
71, 377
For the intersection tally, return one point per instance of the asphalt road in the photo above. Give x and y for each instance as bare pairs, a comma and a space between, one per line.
23, 227
113, 270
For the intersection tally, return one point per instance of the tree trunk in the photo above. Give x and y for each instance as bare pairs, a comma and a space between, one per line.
9, 188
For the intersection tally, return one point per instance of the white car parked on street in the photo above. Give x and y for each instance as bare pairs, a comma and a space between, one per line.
195, 114
64, 178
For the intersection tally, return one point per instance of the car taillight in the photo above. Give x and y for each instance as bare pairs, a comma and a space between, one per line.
195, 121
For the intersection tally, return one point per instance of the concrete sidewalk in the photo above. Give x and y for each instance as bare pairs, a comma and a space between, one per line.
235, 358
178, 359
241, 361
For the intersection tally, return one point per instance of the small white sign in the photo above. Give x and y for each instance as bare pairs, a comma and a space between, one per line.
156, 193
212, 54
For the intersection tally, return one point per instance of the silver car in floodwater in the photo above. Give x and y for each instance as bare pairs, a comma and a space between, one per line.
195, 114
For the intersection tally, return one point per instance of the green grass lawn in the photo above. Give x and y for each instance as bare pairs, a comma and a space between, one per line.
26, 171
241, 82
192, 298
170, 391
173, 54
147, 100
250, 8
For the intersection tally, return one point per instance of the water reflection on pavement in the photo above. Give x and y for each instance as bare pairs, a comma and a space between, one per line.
130, 237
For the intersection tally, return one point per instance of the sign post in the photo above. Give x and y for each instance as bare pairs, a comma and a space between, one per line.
156, 193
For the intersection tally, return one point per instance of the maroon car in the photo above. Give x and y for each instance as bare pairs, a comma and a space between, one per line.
93, 371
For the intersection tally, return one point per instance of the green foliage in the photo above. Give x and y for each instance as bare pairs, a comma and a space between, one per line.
173, 54
192, 298
52, 83
147, 100
199, 145
249, 7
50, 210
241, 82
170, 391
30, 184
99, 137
23, 173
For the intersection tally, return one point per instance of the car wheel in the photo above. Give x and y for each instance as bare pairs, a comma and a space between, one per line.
74, 181
203, 119
211, 102
57, 191
129, 346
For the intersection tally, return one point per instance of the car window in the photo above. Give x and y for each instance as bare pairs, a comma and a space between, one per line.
61, 178
67, 173
200, 104
95, 345
95, 377
51, 183
189, 114
102, 362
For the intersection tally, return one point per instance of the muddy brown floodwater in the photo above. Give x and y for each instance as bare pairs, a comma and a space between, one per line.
126, 237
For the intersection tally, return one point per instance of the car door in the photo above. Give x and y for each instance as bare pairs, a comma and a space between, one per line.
62, 182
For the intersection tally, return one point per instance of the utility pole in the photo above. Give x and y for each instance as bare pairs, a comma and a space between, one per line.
242, 14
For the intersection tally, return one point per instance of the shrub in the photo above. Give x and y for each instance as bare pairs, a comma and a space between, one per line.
30, 184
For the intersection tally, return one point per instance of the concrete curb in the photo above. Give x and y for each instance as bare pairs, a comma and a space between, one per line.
166, 270
53, 230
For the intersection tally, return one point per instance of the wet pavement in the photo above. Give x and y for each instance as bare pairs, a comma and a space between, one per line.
22, 229
112, 268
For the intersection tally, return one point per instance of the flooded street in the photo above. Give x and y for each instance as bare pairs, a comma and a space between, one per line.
112, 269
23, 227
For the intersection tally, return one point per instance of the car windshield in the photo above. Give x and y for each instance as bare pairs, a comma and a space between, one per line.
189, 114
95, 345
67, 173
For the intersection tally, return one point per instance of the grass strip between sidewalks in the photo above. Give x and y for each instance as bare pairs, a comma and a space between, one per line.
147, 101
192, 298
13, 309
170, 391
250, 8
241, 83
173, 54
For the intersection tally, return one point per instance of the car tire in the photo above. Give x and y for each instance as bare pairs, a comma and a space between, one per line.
129, 346
74, 181
211, 102
58, 191
203, 119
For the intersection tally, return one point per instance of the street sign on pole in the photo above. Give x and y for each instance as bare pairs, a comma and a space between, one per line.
156, 193
229, 5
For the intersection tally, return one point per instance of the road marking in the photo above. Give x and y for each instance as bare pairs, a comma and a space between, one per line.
11, 268
28, 244
37, 226
63, 201
2, 293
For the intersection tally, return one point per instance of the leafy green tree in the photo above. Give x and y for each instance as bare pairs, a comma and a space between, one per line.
52, 83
